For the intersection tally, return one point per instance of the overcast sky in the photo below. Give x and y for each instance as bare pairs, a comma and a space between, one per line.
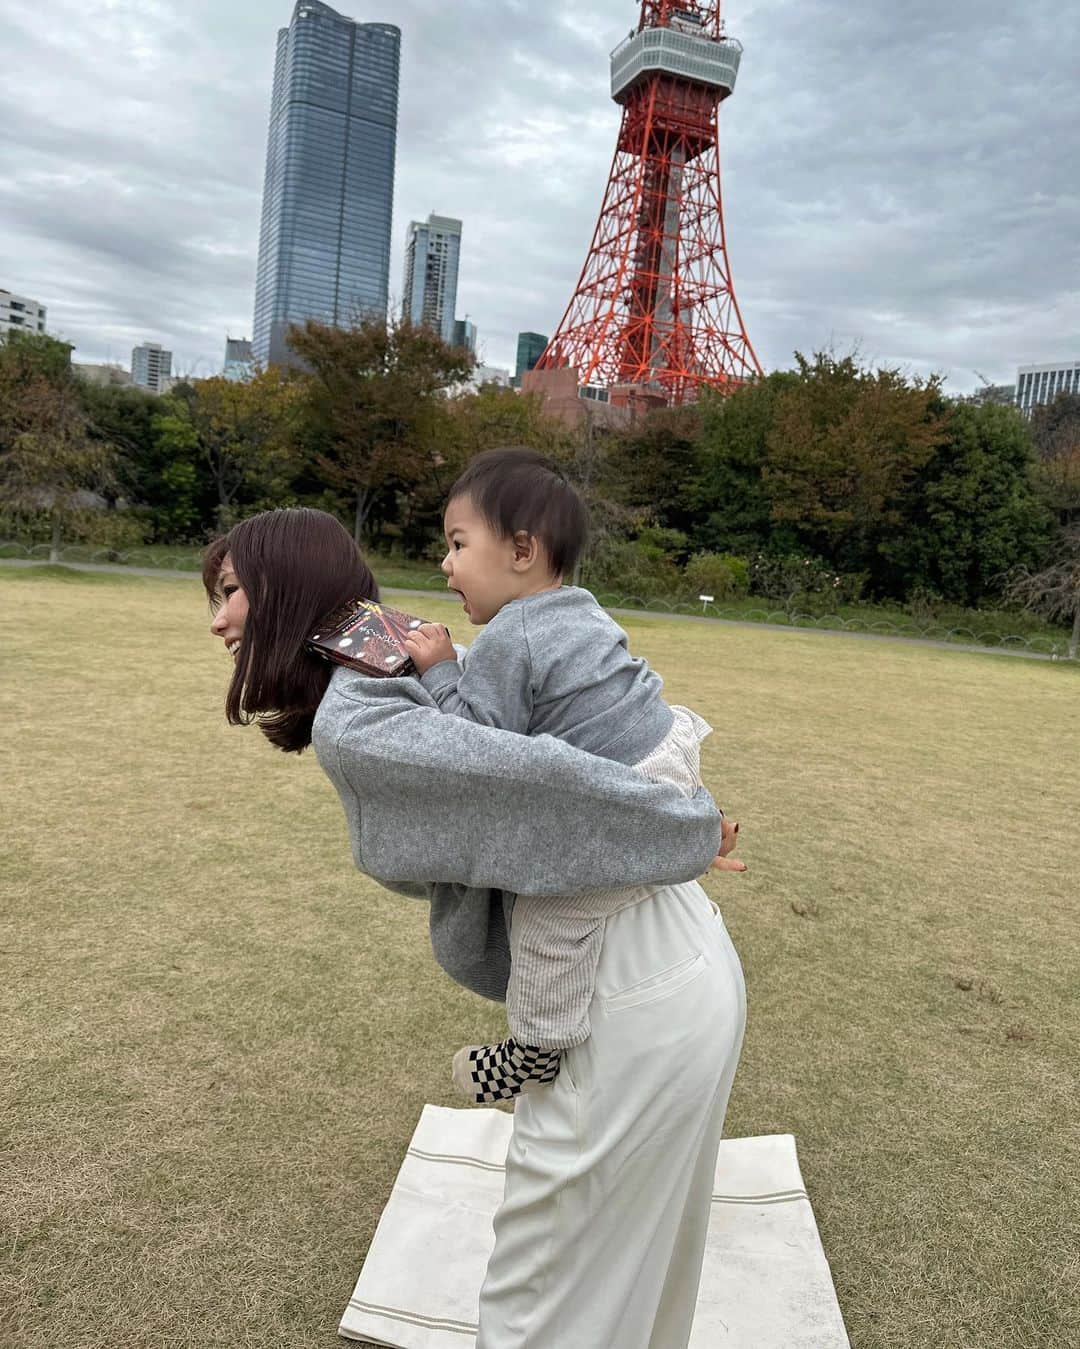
900, 177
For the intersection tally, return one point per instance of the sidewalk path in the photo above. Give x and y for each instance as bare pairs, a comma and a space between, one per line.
629, 613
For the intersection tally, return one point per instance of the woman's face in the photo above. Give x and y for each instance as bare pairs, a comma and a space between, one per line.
228, 622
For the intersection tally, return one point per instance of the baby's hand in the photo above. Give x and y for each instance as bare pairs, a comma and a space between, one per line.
428, 645
728, 838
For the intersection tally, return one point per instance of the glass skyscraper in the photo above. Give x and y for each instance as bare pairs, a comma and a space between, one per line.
324, 243
530, 348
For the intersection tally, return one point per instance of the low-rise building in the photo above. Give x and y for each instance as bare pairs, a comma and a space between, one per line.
1005, 394
491, 374
1037, 384
577, 404
20, 314
101, 374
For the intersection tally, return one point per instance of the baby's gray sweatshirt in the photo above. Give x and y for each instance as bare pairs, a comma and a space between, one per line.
556, 664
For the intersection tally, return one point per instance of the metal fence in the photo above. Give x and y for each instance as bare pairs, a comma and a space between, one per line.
1041, 644
129, 557
1038, 643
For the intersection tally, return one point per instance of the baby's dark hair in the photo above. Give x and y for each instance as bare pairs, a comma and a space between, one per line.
515, 488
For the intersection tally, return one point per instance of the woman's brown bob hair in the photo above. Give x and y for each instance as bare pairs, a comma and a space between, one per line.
295, 566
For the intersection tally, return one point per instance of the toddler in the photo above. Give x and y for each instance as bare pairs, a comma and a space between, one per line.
550, 661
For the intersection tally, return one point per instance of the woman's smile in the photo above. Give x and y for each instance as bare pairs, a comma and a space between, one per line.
231, 616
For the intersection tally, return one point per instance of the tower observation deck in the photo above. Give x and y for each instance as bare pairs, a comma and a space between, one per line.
654, 309
682, 54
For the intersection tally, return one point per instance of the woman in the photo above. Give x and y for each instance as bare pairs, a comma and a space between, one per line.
601, 1233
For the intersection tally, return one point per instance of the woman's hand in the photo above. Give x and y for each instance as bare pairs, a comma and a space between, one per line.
429, 644
729, 837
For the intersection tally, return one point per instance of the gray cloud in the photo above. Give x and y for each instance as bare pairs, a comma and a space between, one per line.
903, 178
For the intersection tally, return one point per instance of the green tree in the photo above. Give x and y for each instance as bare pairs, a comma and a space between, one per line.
123, 416
494, 416
972, 513
368, 394
28, 356
646, 467
175, 483
1055, 433
730, 502
1055, 426
49, 461
452, 430
844, 446
241, 432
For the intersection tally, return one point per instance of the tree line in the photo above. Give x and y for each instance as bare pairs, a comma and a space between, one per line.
830, 480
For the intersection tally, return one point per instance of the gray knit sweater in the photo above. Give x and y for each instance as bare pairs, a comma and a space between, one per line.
464, 815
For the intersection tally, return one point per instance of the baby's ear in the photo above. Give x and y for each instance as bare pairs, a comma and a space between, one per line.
526, 548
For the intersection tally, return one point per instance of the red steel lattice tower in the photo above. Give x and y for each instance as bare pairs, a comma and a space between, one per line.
655, 307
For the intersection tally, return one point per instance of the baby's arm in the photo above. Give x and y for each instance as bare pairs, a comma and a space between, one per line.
495, 685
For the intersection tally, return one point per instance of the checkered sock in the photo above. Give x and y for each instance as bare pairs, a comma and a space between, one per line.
499, 1072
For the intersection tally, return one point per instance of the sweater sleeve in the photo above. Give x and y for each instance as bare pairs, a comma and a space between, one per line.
437, 798
494, 687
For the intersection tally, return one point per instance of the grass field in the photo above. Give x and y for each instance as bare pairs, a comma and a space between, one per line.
217, 1036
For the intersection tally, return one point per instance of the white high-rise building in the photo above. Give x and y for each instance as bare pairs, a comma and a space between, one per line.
432, 253
1037, 384
20, 314
151, 366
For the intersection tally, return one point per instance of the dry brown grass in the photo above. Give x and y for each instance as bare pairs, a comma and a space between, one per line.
217, 1036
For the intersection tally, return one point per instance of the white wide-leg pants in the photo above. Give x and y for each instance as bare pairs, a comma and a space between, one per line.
600, 1236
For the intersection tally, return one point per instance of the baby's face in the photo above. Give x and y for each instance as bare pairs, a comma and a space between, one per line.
478, 564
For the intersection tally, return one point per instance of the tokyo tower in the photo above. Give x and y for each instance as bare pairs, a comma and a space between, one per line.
654, 313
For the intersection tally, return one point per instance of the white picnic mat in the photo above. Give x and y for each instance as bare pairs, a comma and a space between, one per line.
765, 1285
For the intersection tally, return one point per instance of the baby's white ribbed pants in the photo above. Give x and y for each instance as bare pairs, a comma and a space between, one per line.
600, 1236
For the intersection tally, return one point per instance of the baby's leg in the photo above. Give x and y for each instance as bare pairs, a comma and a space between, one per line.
554, 946
486, 1073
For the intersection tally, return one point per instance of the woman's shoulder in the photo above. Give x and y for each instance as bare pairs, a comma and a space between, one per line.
350, 696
